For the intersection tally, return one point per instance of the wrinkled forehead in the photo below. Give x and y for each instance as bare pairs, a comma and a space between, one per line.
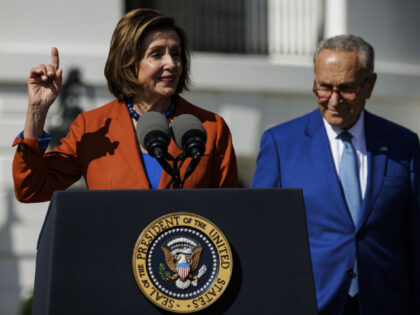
339, 66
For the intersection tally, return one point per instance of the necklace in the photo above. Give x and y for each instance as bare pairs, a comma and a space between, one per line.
136, 115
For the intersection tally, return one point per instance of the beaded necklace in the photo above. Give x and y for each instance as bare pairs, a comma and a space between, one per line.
136, 115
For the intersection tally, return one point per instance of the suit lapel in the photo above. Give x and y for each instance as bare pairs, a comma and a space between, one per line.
320, 152
377, 157
123, 131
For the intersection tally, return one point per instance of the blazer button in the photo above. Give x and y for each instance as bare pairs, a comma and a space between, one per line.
350, 273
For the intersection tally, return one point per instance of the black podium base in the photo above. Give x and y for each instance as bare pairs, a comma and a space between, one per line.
84, 260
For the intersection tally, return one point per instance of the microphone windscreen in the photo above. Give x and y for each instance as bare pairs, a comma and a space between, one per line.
185, 123
151, 121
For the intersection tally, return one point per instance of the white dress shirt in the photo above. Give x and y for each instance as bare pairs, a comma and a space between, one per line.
359, 144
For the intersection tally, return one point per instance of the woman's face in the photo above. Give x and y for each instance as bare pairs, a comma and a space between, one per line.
160, 66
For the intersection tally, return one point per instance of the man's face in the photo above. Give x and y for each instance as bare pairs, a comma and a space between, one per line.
342, 71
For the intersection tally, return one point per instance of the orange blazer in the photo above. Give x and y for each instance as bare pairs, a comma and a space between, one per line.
102, 146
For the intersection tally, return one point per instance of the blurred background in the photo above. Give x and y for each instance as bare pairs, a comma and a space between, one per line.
252, 64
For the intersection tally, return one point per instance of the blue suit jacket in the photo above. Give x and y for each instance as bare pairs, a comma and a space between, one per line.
386, 240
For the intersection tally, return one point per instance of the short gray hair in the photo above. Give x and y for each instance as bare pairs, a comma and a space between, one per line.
349, 43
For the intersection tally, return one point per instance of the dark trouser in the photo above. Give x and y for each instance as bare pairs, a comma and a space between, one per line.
352, 306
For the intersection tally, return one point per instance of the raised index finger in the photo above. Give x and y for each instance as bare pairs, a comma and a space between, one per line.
55, 61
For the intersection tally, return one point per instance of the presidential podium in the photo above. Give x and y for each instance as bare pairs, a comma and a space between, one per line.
85, 250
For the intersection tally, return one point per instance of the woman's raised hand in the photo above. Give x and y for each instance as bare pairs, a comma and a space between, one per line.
44, 83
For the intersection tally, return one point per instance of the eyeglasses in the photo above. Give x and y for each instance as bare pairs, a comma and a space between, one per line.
348, 93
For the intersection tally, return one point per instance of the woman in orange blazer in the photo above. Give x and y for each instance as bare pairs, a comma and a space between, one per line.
147, 67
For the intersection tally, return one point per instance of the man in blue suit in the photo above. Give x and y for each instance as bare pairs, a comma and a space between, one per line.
360, 176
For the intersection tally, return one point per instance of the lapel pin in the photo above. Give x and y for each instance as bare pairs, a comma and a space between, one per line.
384, 149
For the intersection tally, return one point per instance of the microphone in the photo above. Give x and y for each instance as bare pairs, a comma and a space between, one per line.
190, 135
153, 134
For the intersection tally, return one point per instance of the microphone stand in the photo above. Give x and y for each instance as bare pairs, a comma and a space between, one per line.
190, 168
175, 170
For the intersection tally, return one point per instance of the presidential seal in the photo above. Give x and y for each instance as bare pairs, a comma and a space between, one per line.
182, 262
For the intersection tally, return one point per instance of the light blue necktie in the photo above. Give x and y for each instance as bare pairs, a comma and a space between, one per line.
349, 177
